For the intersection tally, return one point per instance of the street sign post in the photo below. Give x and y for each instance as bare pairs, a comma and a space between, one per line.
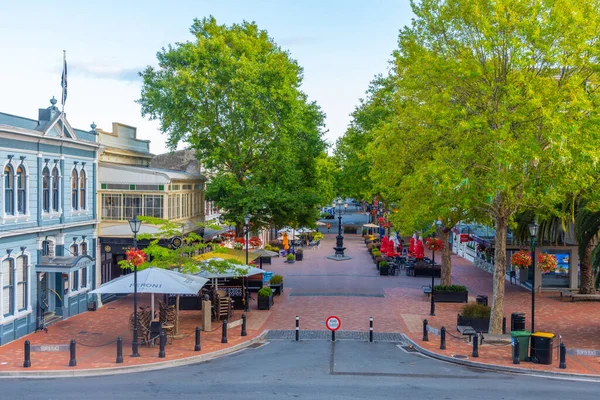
333, 323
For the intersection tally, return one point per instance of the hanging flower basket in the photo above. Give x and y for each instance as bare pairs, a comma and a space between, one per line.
433, 244
255, 241
521, 259
135, 257
547, 262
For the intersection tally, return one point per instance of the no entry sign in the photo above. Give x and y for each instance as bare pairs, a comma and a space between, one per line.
333, 323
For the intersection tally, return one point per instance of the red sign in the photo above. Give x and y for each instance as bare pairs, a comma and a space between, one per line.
333, 323
464, 238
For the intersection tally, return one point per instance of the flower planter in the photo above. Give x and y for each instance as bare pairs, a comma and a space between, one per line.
479, 324
264, 302
451, 297
384, 270
265, 260
277, 289
299, 256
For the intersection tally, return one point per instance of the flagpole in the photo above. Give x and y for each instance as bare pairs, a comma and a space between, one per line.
64, 78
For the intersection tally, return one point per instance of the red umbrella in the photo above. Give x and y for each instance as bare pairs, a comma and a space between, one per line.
419, 250
384, 244
390, 251
411, 245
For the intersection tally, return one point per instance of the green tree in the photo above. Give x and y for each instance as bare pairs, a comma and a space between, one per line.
523, 76
234, 96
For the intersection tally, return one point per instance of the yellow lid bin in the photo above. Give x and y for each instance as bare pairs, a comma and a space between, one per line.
548, 335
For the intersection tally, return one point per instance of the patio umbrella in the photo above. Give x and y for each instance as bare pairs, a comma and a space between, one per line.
305, 230
384, 244
264, 253
319, 223
411, 244
154, 280
419, 249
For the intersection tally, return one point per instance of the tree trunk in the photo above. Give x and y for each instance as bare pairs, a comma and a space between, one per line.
586, 271
446, 278
499, 275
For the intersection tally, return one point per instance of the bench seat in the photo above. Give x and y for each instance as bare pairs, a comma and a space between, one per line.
466, 330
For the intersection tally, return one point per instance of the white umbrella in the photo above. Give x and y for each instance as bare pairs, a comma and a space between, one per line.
154, 280
287, 230
319, 223
305, 230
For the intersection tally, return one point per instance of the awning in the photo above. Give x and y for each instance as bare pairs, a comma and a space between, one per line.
64, 264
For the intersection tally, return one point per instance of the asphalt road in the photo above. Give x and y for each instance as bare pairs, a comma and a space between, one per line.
314, 369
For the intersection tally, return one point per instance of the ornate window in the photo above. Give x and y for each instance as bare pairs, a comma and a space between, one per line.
74, 250
74, 187
55, 186
8, 273
45, 248
84, 248
83, 277
21, 194
9, 190
82, 183
46, 189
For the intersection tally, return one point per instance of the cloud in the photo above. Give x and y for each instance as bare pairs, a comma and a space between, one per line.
98, 71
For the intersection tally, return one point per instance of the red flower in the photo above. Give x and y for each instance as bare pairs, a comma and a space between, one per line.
433, 244
521, 259
135, 257
255, 241
547, 262
240, 240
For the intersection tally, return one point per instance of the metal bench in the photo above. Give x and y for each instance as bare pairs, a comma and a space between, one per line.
466, 330
579, 296
426, 290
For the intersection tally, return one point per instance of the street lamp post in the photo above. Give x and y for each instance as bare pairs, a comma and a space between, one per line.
533, 230
339, 240
247, 229
135, 225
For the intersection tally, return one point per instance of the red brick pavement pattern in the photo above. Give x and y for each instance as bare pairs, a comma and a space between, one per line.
401, 310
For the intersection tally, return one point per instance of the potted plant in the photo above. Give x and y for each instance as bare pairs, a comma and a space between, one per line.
276, 284
370, 247
378, 258
476, 316
450, 294
265, 298
291, 258
384, 268
364, 232
299, 254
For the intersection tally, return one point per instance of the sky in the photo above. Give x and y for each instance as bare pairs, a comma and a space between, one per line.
341, 44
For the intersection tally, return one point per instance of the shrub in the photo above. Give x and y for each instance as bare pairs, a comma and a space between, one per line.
299, 251
383, 264
271, 248
318, 236
265, 292
290, 257
376, 253
475, 310
364, 231
449, 288
276, 279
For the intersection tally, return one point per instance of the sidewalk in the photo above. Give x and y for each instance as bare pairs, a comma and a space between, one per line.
577, 322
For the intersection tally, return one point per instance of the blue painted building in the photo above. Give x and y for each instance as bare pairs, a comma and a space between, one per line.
48, 222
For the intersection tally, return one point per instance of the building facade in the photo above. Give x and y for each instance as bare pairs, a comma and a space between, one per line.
129, 187
48, 224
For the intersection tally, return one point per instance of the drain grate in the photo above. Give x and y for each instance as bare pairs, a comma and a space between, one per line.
409, 349
339, 335
257, 345
460, 356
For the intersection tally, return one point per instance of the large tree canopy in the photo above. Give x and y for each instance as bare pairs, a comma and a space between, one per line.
234, 96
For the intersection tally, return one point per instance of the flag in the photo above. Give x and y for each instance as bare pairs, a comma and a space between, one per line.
63, 82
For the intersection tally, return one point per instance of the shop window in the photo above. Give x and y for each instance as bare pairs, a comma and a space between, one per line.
83, 277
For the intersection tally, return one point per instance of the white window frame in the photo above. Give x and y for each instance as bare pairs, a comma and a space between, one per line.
27, 310
15, 217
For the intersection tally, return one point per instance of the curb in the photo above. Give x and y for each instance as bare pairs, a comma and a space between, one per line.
133, 368
502, 368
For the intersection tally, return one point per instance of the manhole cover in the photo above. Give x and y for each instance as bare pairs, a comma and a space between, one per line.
460, 356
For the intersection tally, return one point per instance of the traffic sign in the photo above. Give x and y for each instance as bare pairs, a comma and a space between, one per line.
333, 323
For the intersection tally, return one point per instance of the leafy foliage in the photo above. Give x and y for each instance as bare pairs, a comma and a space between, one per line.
475, 310
276, 279
265, 292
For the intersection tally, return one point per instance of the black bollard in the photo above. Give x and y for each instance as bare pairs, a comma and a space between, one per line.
432, 308
504, 325
297, 328
197, 346
516, 351
224, 332
163, 342
27, 361
333, 336
72, 350
476, 346
371, 329
443, 338
425, 334
119, 350
563, 356
244, 333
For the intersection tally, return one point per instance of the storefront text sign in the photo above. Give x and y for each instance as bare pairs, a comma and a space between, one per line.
50, 347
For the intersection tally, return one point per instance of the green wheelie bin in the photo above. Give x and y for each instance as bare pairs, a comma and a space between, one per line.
523, 338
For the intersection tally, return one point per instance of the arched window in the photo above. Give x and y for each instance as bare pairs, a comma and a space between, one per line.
74, 250
9, 190
21, 199
45, 248
74, 185
8, 272
82, 182
84, 248
46, 189
21, 280
55, 186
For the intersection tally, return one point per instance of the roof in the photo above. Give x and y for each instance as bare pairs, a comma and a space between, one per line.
129, 174
64, 264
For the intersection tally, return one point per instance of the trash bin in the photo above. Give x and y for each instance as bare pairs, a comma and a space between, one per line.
523, 338
481, 299
517, 321
541, 344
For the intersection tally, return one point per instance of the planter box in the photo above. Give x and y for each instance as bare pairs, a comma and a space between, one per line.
277, 289
265, 260
451, 297
265, 303
479, 324
299, 256
384, 270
